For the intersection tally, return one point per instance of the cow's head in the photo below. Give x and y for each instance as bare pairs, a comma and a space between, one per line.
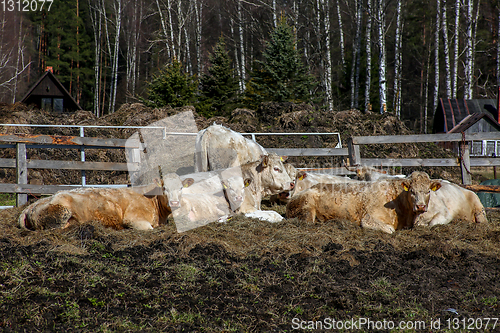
301, 182
172, 188
234, 190
418, 187
274, 175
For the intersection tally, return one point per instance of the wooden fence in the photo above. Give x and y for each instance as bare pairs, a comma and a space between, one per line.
23, 141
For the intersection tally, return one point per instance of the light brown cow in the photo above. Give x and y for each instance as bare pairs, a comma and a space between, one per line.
307, 179
386, 205
116, 208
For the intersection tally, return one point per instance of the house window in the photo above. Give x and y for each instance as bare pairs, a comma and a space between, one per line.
58, 105
46, 104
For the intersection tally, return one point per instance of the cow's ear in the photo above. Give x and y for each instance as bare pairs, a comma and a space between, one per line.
248, 181
301, 175
435, 186
405, 185
283, 158
265, 161
187, 182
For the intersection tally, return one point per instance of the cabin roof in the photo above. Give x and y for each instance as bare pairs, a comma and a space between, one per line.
70, 102
451, 112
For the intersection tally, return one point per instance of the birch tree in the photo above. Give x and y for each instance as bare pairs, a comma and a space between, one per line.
355, 57
446, 49
436, 54
468, 52
96, 18
456, 34
328, 60
198, 7
118, 9
382, 56
398, 57
242, 47
341, 35
368, 46
498, 51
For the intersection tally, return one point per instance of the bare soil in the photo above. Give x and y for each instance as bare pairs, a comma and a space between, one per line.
247, 275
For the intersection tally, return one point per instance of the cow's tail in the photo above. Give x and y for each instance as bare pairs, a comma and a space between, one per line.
201, 152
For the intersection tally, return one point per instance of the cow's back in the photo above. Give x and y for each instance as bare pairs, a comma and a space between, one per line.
218, 147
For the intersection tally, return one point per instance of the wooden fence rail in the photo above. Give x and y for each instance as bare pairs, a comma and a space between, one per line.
464, 160
23, 141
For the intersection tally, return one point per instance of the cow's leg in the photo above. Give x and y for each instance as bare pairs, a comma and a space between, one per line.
371, 223
139, 224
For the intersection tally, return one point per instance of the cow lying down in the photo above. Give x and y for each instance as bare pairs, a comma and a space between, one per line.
385, 205
116, 208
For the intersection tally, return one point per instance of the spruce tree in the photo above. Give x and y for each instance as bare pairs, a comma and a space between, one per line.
282, 76
172, 86
218, 86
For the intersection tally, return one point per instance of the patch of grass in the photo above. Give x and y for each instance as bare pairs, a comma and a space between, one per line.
7, 199
186, 273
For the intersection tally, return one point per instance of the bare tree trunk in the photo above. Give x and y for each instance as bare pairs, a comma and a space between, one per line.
455, 53
96, 18
341, 35
116, 50
355, 58
382, 56
19, 56
328, 65
446, 47
164, 27
426, 102
242, 47
368, 41
398, 61
468, 53
169, 10
199, 24
498, 52
275, 18
436, 54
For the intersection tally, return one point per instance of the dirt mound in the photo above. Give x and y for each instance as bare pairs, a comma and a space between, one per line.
269, 118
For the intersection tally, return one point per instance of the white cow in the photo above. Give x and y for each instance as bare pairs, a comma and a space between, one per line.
451, 202
218, 147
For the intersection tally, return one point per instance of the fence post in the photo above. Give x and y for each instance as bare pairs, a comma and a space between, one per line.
354, 155
22, 172
465, 163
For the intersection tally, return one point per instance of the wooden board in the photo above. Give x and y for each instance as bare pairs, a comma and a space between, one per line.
309, 151
72, 165
455, 137
68, 140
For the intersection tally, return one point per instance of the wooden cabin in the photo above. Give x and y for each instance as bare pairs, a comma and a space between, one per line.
49, 94
469, 116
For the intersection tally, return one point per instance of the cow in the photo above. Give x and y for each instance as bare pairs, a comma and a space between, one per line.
218, 147
368, 173
265, 176
283, 197
385, 205
305, 180
452, 202
117, 208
